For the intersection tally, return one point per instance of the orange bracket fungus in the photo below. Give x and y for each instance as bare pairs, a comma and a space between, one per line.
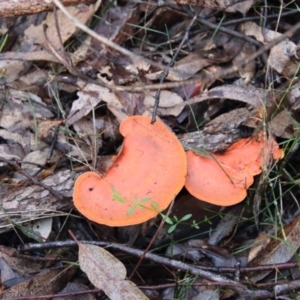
223, 179
142, 181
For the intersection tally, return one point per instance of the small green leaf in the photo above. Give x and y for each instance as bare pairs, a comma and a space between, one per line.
207, 220
195, 225
168, 220
143, 200
186, 217
155, 206
117, 196
130, 211
172, 228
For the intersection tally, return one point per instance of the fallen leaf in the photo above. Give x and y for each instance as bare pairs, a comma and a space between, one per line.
49, 282
106, 272
229, 6
279, 250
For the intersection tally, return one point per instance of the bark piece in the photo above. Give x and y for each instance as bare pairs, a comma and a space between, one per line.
12, 8
21, 204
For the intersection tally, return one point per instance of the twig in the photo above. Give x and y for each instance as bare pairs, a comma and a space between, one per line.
11, 252
13, 8
36, 182
102, 39
31, 247
171, 64
237, 287
226, 30
69, 295
152, 240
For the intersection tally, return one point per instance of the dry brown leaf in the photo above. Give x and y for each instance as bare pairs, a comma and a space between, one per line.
34, 35
45, 125
282, 59
246, 71
49, 282
281, 56
106, 272
263, 35
279, 250
11, 151
7, 272
40, 229
283, 125
228, 6
90, 96
121, 105
73, 287
248, 94
20, 109
167, 103
115, 25
261, 241
184, 68
12, 69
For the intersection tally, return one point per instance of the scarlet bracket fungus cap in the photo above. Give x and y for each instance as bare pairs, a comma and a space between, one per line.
223, 179
151, 168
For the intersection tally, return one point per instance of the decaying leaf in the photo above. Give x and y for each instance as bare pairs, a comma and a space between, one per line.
41, 229
279, 250
106, 272
120, 104
49, 282
282, 56
166, 102
185, 68
229, 6
34, 35
199, 249
73, 287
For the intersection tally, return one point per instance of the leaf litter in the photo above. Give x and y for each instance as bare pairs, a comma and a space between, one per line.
64, 94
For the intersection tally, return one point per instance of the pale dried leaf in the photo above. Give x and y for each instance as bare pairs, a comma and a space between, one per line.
167, 103
240, 6
73, 287
34, 77
21, 265
41, 229
282, 125
279, 250
261, 242
237, 116
207, 294
294, 98
248, 94
39, 157
11, 151
91, 95
263, 35
7, 273
12, 69
229, 6
49, 282
184, 68
34, 35
107, 273
88, 98
45, 125
282, 59
281, 55
246, 71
